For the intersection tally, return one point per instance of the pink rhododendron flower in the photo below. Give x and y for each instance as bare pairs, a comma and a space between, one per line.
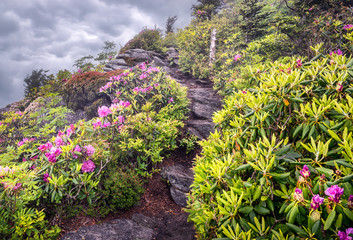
334, 192
143, 76
170, 100
121, 119
338, 52
89, 150
299, 63
58, 141
106, 124
17, 186
103, 111
97, 123
348, 27
339, 87
45, 177
88, 166
316, 201
347, 235
4, 171
60, 134
156, 84
305, 171
298, 195
237, 57
244, 92
45, 146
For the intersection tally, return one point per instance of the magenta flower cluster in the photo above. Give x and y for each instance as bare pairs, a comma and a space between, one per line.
88, 166
237, 57
346, 235
305, 172
24, 140
103, 111
334, 193
316, 201
338, 52
348, 27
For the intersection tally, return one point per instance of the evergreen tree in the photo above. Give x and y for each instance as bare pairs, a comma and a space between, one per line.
206, 8
254, 20
170, 24
33, 82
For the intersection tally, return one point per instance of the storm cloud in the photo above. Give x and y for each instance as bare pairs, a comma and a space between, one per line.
52, 34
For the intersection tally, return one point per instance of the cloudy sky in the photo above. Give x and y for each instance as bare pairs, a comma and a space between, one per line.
52, 34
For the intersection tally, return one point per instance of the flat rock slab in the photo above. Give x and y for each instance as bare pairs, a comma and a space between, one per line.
179, 177
119, 229
200, 128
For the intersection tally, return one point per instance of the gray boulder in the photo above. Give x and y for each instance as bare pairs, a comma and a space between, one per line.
180, 178
119, 229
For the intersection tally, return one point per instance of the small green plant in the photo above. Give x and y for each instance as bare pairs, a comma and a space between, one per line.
189, 142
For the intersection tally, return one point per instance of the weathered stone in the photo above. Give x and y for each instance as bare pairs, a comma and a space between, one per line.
203, 111
179, 197
138, 54
200, 128
205, 96
178, 177
115, 62
145, 221
119, 229
158, 62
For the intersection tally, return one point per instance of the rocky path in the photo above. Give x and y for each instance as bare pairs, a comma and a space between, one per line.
160, 213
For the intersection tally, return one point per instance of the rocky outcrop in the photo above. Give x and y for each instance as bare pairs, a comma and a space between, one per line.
133, 57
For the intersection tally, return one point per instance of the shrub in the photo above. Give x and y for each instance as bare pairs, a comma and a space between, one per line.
280, 164
148, 108
147, 39
121, 188
83, 89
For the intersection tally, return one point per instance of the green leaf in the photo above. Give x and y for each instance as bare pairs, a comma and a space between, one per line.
257, 193
293, 214
246, 210
297, 230
326, 171
261, 210
339, 221
329, 220
348, 213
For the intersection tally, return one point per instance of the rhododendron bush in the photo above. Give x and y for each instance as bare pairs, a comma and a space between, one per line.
279, 165
69, 166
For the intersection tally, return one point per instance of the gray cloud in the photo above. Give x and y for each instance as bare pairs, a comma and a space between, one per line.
52, 34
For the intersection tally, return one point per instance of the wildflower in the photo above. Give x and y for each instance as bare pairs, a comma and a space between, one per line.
244, 92
76, 149
121, 119
170, 100
45, 147
348, 27
89, 150
311, 8
103, 111
70, 130
156, 84
316, 201
334, 192
4, 171
106, 124
45, 177
17, 186
79, 70
338, 52
97, 123
298, 195
299, 63
59, 141
60, 134
350, 202
237, 57
88, 166
347, 235
305, 172
339, 87
143, 76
